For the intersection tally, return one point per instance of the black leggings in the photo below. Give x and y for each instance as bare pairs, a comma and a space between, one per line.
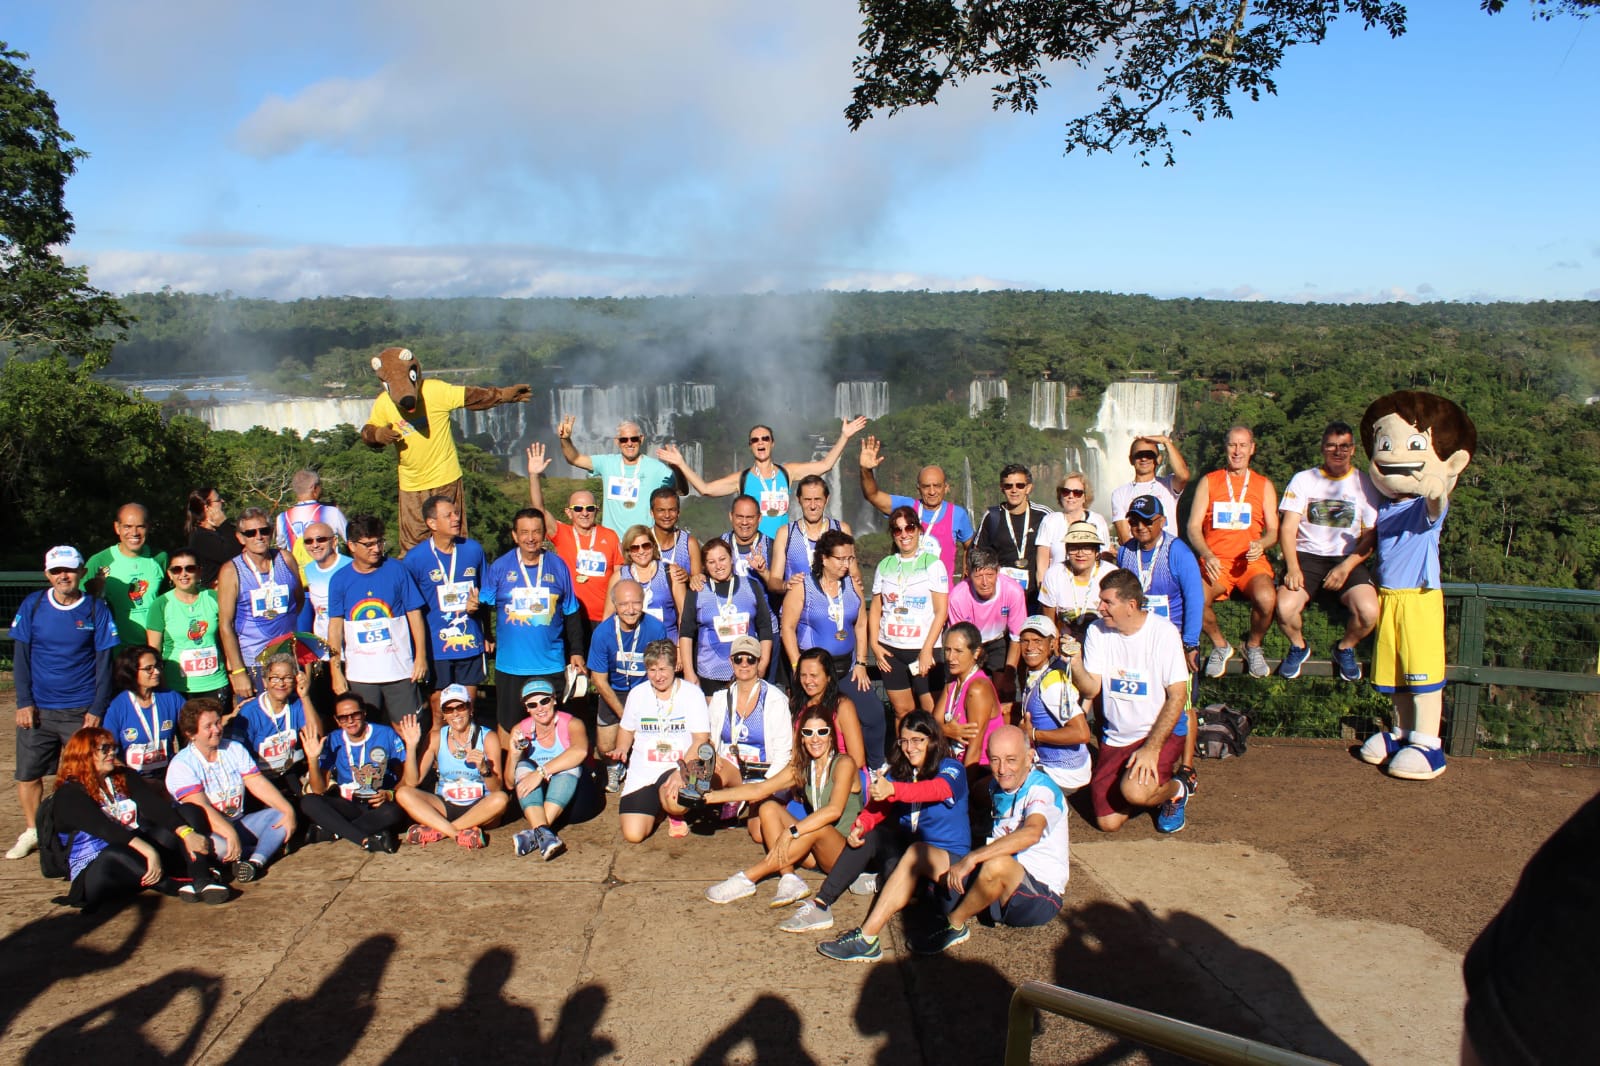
118, 869
885, 845
352, 820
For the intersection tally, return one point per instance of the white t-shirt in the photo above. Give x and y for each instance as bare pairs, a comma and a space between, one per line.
1046, 861
1134, 674
1161, 488
1054, 527
222, 780
907, 587
661, 728
1333, 512
1061, 590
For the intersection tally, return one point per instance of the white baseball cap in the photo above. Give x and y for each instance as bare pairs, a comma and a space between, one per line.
454, 694
63, 555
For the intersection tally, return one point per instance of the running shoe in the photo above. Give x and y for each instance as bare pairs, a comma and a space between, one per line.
525, 842
1217, 661
736, 887
614, 775
1349, 668
677, 828
214, 893
852, 947
1170, 818
27, 843
188, 894
1294, 660
1255, 660
811, 917
471, 839
245, 871
934, 943
550, 845
865, 885
791, 889
423, 834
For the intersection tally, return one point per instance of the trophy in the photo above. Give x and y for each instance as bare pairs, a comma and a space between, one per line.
370, 774
697, 774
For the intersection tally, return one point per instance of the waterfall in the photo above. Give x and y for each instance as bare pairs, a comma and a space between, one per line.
852, 398
597, 411
982, 392
506, 428
1129, 409
302, 416
1047, 409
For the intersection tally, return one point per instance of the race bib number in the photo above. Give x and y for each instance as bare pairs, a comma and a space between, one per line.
775, 502
462, 791
1158, 605
630, 663
532, 603
453, 596
198, 662
348, 791
269, 601
663, 752
623, 490
1231, 515
1015, 574
122, 810
909, 629
658, 613
731, 624
278, 749
229, 803
373, 632
1130, 683
146, 756
591, 563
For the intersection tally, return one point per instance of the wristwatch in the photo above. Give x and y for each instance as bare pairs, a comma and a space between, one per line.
794, 832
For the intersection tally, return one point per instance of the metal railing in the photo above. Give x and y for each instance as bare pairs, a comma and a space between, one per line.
1152, 1030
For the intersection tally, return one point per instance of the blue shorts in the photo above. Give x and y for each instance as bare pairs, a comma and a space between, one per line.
1031, 904
468, 671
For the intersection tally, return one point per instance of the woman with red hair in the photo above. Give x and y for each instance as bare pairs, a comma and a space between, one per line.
121, 833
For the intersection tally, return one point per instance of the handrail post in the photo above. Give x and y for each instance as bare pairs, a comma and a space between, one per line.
1469, 652
1020, 1020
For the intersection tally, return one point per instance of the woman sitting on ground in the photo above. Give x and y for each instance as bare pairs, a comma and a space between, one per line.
214, 774
142, 720
122, 833
814, 688
546, 767
923, 797
467, 793
812, 825
351, 778
270, 724
750, 726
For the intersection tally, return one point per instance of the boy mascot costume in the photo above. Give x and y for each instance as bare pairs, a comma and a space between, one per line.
414, 413
1419, 444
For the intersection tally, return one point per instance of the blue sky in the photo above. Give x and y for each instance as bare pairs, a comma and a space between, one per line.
622, 148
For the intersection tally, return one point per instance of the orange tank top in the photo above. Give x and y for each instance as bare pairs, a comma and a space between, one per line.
1237, 512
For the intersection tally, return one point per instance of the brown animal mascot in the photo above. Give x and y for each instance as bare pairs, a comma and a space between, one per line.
413, 412
1419, 444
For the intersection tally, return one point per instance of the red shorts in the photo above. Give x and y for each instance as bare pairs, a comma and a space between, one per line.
1237, 575
1105, 789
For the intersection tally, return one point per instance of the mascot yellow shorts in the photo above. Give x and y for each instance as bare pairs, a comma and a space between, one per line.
1409, 656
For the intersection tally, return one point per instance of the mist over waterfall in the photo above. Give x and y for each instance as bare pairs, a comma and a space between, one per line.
598, 411
984, 391
1047, 407
869, 398
1128, 410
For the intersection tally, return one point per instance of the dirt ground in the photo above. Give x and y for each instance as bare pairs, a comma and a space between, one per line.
1311, 902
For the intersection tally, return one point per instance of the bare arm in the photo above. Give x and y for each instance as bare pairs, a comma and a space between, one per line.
569, 451
537, 465
1269, 532
871, 456
1179, 468
1288, 530
726, 485
847, 429
794, 602
1197, 518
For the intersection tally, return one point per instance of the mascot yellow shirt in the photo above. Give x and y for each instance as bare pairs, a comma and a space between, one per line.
427, 446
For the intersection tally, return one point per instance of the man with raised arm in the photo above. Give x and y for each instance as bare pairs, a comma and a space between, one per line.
1232, 523
626, 478
1145, 455
764, 479
946, 526
592, 552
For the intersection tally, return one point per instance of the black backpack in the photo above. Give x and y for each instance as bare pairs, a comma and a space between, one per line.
1223, 732
52, 853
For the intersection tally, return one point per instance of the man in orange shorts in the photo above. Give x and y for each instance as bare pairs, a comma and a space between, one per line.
1232, 523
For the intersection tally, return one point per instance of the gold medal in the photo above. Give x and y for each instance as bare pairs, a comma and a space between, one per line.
582, 578
628, 504
838, 634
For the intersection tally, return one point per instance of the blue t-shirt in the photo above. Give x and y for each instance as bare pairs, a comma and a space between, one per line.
620, 656
274, 742
454, 633
1408, 544
63, 644
531, 603
625, 492
340, 756
390, 583
943, 824
131, 725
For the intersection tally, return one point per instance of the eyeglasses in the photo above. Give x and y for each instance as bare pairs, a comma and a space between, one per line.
317, 540
106, 749
1148, 457
629, 440
843, 558
150, 668
744, 658
1013, 484
1070, 492
280, 679
369, 545
761, 440
215, 501
533, 703
1348, 447
183, 569
259, 531
354, 716
916, 740
820, 731
584, 508
640, 547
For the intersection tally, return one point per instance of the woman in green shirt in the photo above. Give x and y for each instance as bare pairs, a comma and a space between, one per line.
183, 627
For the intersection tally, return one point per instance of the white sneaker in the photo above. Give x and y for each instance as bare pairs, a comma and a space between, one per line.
809, 918
27, 843
791, 889
865, 885
1217, 661
736, 887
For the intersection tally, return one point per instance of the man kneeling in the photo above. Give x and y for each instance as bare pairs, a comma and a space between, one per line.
1017, 877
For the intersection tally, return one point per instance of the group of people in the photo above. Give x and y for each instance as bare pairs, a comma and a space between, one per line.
212, 706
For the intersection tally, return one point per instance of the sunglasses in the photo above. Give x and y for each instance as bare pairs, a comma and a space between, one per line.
53, 571
898, 530
106, 749
583, 508
760, 440
1135, 520
317, 540
259, 531
1070, 492
1338, 447
535, 702
1148, 456
629, 440
1013, 484
744, 658
355, 716
183, 569
639, 547
820, 731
